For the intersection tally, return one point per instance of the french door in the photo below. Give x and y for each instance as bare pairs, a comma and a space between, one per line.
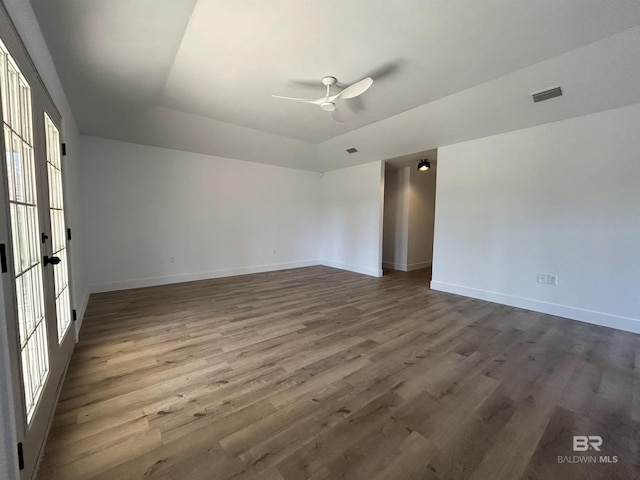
34, 239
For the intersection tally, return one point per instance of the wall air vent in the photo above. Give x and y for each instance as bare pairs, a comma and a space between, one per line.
351, 150
546, 94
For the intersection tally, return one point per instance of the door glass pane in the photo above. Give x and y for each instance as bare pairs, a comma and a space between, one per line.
58, 228
23, 209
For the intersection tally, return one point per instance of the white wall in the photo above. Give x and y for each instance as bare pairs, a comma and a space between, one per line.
352, 218
422, 198
561, 198
395, 239
156, 216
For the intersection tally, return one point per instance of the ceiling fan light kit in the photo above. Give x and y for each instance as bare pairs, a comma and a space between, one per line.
424, 165
328, 102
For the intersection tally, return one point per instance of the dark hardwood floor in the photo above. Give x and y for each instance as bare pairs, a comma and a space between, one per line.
317, 373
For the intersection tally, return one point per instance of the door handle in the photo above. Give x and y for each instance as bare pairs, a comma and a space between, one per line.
53, 260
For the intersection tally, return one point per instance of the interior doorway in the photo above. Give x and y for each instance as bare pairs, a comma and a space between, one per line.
409, 213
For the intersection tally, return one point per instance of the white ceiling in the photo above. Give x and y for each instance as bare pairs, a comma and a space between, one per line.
198, 75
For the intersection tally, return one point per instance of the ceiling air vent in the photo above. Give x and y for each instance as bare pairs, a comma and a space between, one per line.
351, 150
547, 94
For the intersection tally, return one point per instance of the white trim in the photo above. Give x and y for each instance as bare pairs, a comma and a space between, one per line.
395, 266
190, 277
404, 267
353, 268
589, 316
418, 266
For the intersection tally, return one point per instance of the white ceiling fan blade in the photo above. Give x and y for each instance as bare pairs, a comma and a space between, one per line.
337, 116
356, 89
305, 100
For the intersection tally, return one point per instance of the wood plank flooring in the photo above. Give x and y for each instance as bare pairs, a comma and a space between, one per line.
317, 373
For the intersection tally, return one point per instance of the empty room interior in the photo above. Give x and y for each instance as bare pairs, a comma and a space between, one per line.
293, 239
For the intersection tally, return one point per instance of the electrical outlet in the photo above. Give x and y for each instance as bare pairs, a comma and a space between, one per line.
542, 278
552, 279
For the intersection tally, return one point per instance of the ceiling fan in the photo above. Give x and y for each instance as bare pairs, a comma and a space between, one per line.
328, 102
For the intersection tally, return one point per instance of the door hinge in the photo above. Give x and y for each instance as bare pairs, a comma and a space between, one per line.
68, 234
74, 314
44, 237
20, 457
64, 148
3, 258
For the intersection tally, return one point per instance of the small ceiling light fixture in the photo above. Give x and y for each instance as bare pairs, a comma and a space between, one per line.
424, 165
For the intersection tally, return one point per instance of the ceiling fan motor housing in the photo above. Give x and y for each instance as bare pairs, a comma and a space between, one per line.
328, 106
329, 81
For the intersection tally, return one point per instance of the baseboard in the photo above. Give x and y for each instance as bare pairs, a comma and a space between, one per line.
573, 313
353, 268
395, 266
190, 277
404, 267
418, 266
